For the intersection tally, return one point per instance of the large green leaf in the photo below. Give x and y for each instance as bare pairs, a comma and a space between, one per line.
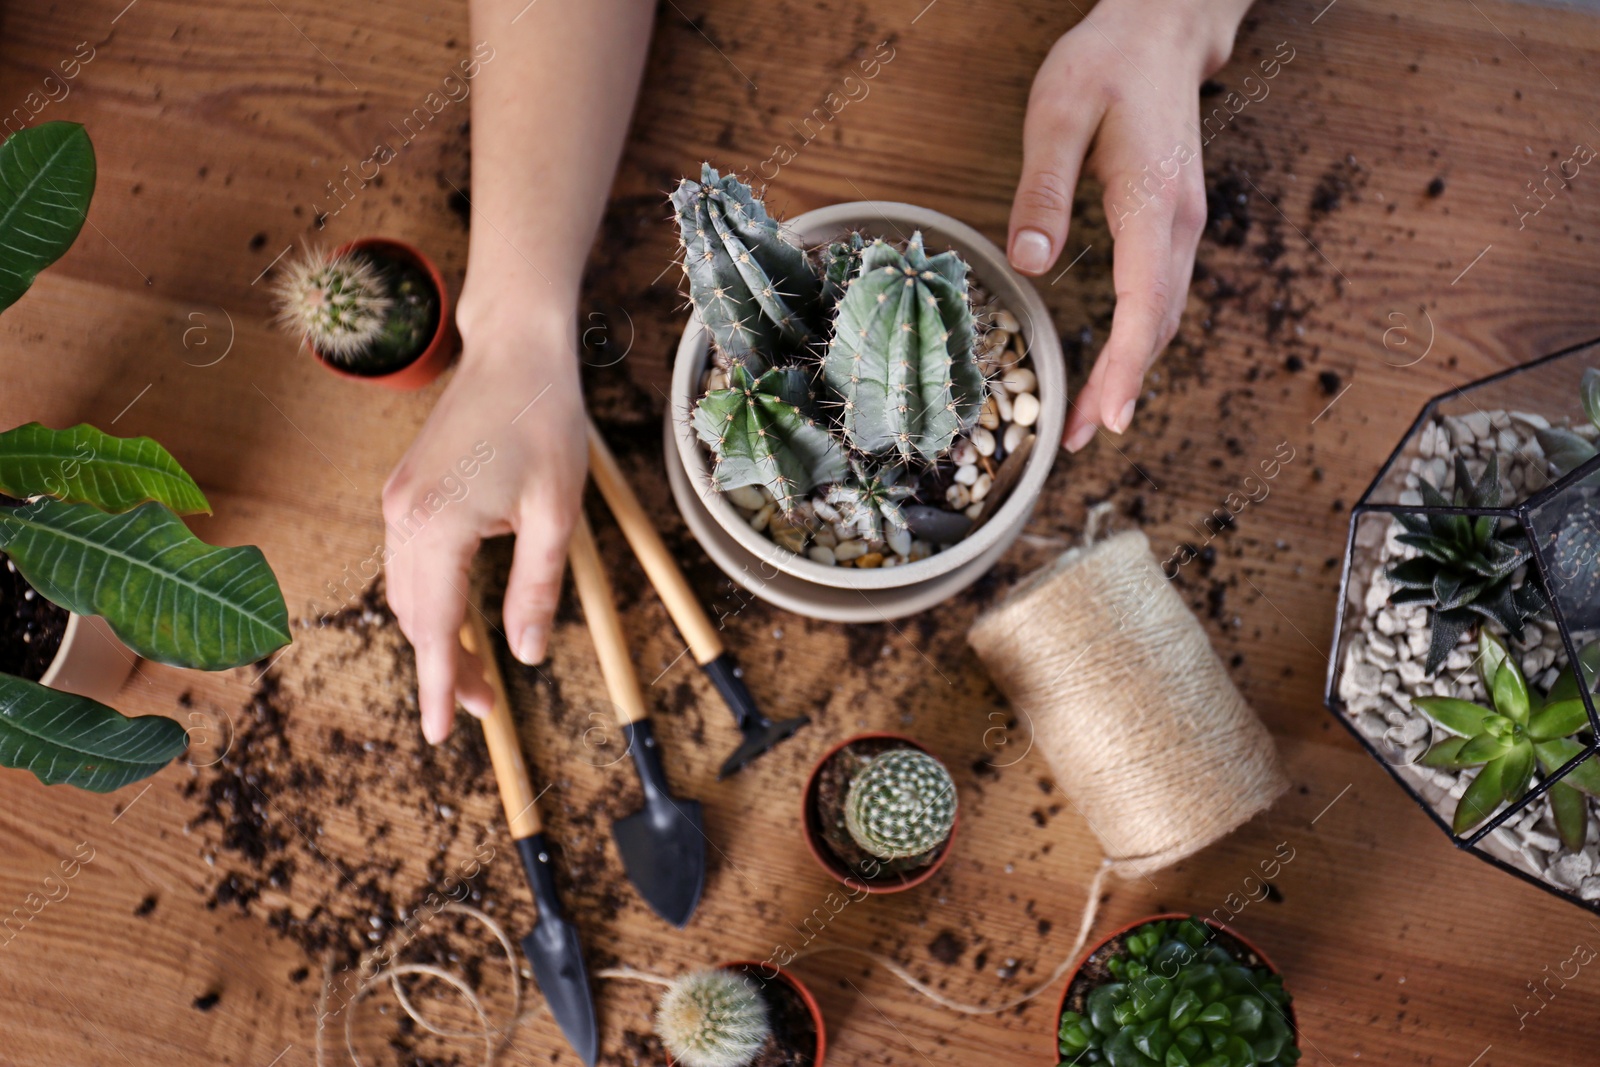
82, 465
46, 180
71, 740
170, 596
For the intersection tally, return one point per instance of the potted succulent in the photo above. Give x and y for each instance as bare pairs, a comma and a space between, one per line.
856, 402
1173, 991
735, 1016
1470, 610
879, 813
375, 309
90, 523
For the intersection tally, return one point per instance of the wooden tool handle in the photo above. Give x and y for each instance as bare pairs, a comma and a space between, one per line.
605, 628
505, 751
673, 588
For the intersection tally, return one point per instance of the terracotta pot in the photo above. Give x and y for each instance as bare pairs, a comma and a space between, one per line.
824, 854
849, 594
1061, 1005
800, 988
91, 662
440, 351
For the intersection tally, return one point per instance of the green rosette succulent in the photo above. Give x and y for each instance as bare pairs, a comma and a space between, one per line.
902, 804
1179, 999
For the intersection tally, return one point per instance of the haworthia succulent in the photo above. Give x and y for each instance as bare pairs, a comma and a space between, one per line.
761, 436
83, 465
168, 595
901, 359
751, 285
71, 740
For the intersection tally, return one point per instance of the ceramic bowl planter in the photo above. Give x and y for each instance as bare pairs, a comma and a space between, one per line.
47, 644
1175, 989
861, 787
374, 310
741, 1014
1470, 607
853, 593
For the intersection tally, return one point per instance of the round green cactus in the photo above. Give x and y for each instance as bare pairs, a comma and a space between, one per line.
902, 804
1179, 999
713, 1018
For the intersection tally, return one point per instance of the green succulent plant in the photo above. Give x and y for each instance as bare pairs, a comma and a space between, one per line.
1509, 739
92, 524
760, 435
1466, 564
841, 261
753, 288
1564, 449
871, 499
901, 359
1179, 999
714, 1018
901, 804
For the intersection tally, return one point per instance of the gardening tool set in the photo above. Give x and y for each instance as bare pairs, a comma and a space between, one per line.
663, 845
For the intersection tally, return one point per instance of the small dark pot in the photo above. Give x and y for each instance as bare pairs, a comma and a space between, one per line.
441, 348
811, 823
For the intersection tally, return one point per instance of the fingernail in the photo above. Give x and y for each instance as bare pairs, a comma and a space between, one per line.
1120, 423
434, 731
1030, 251
530, 646
1080, 437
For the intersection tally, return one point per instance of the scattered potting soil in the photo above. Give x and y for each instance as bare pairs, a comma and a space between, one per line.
31, 628
793, 1040
825, 812
1095, 971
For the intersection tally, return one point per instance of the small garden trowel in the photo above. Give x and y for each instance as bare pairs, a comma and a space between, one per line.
760, 733
663, 846
553, 948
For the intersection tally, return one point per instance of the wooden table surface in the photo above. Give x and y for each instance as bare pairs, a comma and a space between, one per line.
308, 818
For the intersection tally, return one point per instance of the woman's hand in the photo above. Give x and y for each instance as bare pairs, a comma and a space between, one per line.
513, 416
1122, 89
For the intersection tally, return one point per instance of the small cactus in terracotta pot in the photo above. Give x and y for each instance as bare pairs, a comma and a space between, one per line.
742, 1014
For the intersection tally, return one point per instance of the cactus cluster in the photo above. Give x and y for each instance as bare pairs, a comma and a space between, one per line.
359, 311
714, 1018
902, 804
1177, 998
853, 370
1465, 565
1507, 740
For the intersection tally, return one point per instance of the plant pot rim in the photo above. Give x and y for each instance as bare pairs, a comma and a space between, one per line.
440, 349
1072, 976
989, 266
800, 988
825, 856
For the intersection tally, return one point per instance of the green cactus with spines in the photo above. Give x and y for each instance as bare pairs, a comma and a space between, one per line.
870, 499
1177, 998
901, 804
363, 311
761, 435
901, 359
753, 288
714, 1018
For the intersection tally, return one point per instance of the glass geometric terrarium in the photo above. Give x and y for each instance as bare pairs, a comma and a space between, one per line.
1469, 610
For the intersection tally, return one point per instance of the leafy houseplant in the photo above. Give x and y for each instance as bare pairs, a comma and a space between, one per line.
374, 309
92, 525
1173, 992
1507, 740
737, 1016
1466, 564
880, 812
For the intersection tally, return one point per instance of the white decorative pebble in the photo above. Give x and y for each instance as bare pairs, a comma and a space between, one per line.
1006, 321
958, 496
1025, 409
759, 520
821, 554
1002, 405
981, 487
850, 550
746, 498
966, 475
963, 453
1013, 438
974, 509
1020, 380
899, 539
983, 441
989, 417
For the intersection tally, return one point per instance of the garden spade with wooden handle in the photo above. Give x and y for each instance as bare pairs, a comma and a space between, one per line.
553, 948
663, 846
760, 733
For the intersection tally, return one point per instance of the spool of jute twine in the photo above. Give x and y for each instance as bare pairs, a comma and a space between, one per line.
1129, 704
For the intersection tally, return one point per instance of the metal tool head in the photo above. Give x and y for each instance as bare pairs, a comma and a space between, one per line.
556, 955
663, 845
760, 733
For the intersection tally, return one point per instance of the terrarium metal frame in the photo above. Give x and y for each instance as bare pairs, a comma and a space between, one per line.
1522, 514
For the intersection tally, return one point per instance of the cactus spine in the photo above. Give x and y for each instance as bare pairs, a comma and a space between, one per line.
753, 288
761, 436
902, 804
901, 357
713, 1019
338, 304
